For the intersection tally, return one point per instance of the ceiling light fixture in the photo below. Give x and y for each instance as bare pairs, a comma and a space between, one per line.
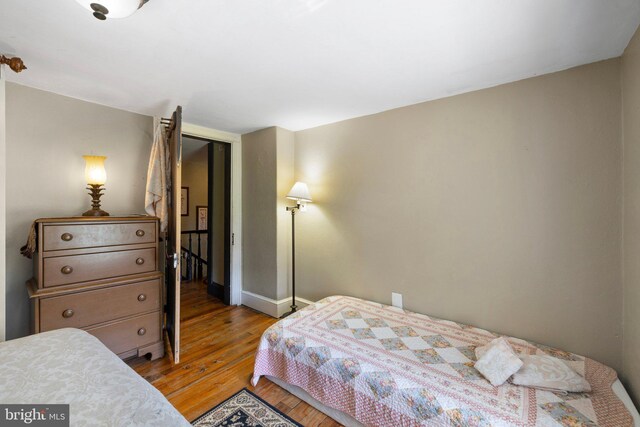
112, 8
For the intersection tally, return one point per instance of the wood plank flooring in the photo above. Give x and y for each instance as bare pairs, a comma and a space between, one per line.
217, 355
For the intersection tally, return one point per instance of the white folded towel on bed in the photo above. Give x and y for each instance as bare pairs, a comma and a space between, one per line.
537, 371
549, 373
498, 362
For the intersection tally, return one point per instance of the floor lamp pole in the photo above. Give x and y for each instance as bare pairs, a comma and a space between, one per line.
294, 307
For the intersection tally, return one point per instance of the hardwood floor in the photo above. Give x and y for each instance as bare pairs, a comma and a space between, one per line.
217, 355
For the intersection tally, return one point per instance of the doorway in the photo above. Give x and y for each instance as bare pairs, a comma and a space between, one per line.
206, 237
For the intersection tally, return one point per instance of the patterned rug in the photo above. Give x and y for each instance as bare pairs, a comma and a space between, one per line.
244, 409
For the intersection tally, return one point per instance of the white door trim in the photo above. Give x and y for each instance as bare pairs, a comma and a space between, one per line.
235, 140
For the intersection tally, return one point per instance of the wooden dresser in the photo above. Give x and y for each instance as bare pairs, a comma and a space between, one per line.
100, 275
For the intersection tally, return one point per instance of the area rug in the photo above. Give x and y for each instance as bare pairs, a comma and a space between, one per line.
244, 409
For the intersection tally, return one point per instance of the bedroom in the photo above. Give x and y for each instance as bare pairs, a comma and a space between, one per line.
477, 158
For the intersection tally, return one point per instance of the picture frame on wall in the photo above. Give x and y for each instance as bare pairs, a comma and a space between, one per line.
184, 201
202, 216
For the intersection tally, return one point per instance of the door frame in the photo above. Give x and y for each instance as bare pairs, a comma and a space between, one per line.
3, 204
235, 142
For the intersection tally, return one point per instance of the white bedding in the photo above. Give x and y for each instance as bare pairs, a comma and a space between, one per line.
71, 366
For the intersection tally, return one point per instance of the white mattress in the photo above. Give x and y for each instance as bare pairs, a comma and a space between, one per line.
70, 366
348, 421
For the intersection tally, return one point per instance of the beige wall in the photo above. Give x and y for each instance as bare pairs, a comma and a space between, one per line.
631, 248
285, 179
47, 135
195, 175
499, 208
267, 176
259, 216
3, 176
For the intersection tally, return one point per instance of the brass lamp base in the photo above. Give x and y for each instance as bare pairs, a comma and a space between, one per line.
94, 212
96, 193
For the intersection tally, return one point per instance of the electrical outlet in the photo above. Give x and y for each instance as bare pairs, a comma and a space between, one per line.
396, 300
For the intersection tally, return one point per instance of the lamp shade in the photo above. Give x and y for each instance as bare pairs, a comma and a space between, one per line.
114, 8
299, 192
94, 171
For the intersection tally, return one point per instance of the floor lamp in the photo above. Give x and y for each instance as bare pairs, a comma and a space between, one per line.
300, 193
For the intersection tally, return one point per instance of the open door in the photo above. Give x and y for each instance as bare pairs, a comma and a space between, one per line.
173, 245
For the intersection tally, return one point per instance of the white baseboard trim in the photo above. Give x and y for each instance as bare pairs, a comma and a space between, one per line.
272, 307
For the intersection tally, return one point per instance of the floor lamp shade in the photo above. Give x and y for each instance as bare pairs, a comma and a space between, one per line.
299, 192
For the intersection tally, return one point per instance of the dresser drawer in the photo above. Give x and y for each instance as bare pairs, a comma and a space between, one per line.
71, 269
129, 334
88, 308
77, 236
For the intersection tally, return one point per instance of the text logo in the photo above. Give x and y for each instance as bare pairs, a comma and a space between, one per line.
34, 415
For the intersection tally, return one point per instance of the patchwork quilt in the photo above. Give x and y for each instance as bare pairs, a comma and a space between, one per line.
390, 367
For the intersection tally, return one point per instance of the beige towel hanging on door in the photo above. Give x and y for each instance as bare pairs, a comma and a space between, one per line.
156, 201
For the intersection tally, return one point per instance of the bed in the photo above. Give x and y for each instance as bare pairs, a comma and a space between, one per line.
71, 366
363, 363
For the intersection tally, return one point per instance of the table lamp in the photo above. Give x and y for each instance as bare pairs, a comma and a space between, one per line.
96, 176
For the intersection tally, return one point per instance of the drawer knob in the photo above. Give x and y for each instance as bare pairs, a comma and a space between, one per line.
67, 313
142, 297
67, 269
67, 237
142, 331
140, 233
140, 261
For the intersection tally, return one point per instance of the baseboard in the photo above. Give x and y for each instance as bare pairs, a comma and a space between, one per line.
269, 306
216, 289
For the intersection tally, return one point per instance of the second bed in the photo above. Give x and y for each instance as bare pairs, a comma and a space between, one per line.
364, 363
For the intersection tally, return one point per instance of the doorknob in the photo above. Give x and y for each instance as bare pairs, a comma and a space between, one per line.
172, 259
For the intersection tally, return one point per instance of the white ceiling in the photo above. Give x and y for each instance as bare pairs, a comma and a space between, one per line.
240, 65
